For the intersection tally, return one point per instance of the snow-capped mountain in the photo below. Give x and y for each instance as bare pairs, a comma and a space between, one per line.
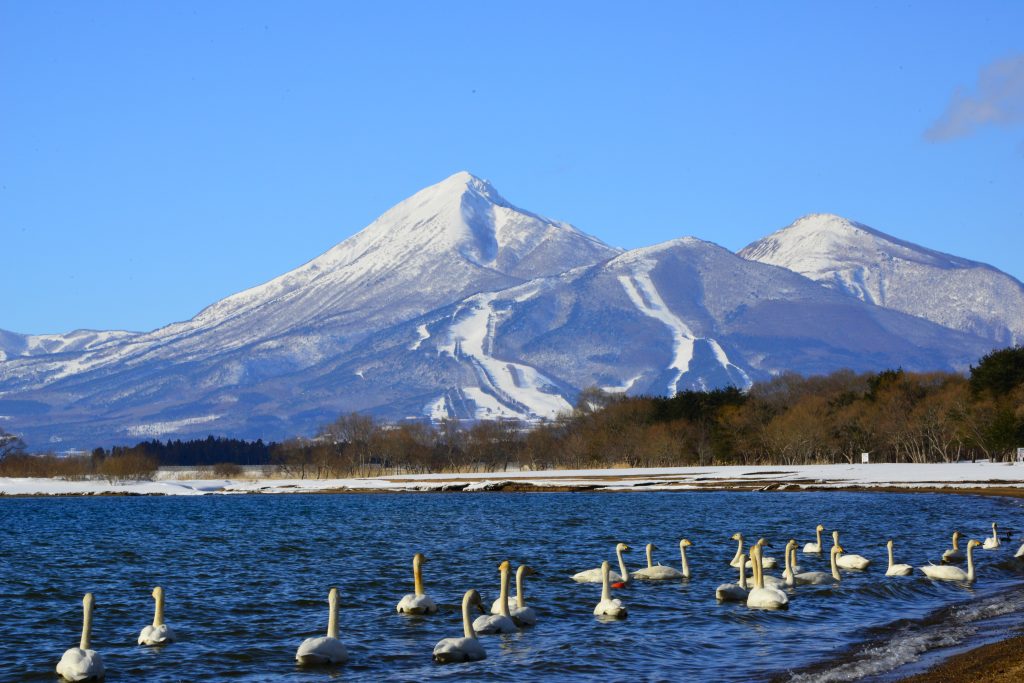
456, 303
883, 270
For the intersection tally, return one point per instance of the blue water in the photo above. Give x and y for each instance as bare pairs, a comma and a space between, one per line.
246, 580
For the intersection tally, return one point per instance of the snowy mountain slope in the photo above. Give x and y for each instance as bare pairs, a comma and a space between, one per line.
13, 345
880, 269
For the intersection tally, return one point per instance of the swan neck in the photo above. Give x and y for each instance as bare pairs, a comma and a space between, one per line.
817, 531
417, 576
158, 615
622, 566
970, 563
890, 557
332, 616
755, 560
650, 558
835, 566
504, 593
87, 603
743, 574
739, 552
520, 600
606, 589
467, 623
686, 565
789, 566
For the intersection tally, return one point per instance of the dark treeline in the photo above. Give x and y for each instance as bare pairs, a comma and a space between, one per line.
896, 416
213, 450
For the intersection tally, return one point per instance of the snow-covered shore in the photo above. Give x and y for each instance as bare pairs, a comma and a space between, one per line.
955, 476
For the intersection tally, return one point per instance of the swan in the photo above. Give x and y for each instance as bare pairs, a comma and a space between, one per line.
80, 663
660, 572
594, 575
792, 568
897, 569
608, 607
991, 543
325, 649
761, 597
159, 632
820, 578
734, 592
815, 547
1020, 551
849, 561
502, 622
767, 562
521, 614
768, 581
467, 648
954, 554
944, 572
417, 602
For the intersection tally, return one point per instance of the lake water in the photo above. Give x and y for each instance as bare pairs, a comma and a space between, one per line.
246, 580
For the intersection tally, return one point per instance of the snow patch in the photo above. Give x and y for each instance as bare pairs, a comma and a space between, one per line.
160, 428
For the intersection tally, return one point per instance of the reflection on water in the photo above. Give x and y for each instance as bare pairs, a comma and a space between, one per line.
246, 580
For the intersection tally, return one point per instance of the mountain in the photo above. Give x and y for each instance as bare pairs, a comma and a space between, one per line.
886, 271
455, 303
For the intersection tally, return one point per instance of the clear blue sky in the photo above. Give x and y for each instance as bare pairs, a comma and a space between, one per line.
157, 156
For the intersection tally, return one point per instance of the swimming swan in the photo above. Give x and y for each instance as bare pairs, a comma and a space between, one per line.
734, 592
158, 633
660, 572
820, 578
766, 562
502, 622
791, 566
768, 581
759, 596
594, 575
467, 648
521, 614
325, 649
80, 663
608, 607
944, 572
815, 547
897, 569
1020, 551
417, 602
991, 543
954, 554
849, 561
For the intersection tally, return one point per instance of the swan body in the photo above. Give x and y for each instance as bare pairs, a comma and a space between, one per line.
594, 575
608, 607
501, 622
993, 542
417, 602
158, 632
944, 572
815, 547
659, 572
467, 648
820, 578
325, 649
734, 592
521, 614
766, 562
897, 569
80, 663
954, 554
1020, 551
849, 561
761, 597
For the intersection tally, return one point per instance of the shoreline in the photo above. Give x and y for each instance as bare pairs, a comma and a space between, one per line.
998, 662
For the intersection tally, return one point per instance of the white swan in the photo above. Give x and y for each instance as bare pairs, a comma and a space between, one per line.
417, 602
158, 632
792, 567
815, 547
80, 663
849, 561
954, 554
820, 578
766, 562
944, 572
608, 607
521, 614
502, 622
325, 649
761, 597
734, 592
467, 648
594, 575
1020, 551
992, 543
897, 569
766, 580
659, 572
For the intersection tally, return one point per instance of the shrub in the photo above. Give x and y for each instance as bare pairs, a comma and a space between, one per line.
228, 470
128, 467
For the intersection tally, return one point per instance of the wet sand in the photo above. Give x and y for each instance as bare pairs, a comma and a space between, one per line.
1001, 662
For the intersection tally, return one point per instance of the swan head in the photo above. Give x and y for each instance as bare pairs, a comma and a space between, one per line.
685, 543
504, 566
820, 527
158, 593
791, 544
418, 558
972, 543
835, 536
836, 549
737, 536
472, 598
622, 548
88, 601
525, 571
651, 546
763, 543
956, 537
889, 543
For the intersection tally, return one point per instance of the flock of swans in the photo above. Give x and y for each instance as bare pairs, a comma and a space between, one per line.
766, 592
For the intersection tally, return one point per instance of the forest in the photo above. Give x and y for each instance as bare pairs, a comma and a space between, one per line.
894, 415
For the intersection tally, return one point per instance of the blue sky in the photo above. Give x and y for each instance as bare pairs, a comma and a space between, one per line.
155, 157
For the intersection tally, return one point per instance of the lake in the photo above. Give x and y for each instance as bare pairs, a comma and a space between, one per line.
246, 580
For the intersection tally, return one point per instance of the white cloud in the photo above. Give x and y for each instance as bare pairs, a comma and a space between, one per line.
998, 99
